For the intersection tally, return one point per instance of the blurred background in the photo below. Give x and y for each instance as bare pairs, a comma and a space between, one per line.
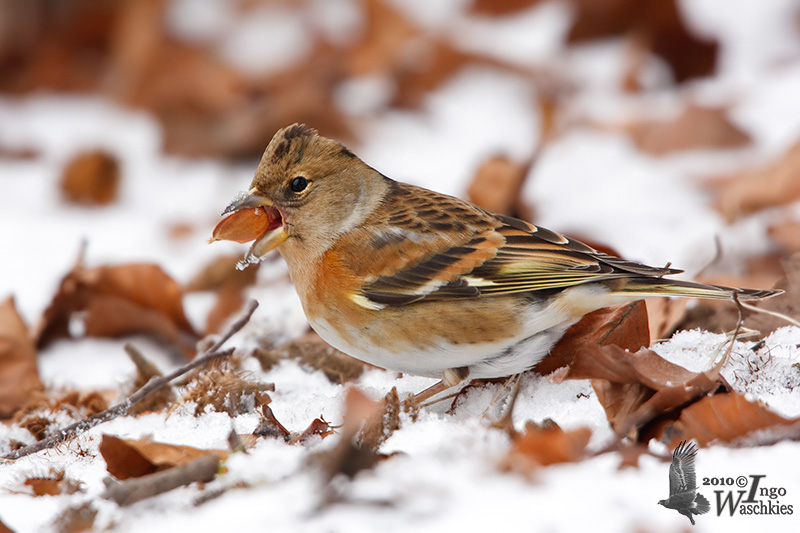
664, 129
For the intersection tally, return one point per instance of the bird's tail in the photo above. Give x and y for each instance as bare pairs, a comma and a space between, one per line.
653, 286
701, 504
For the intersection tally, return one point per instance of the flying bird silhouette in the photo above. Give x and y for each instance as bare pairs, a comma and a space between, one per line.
683, 496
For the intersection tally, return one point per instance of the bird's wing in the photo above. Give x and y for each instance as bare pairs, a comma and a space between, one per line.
446, 248
682, 477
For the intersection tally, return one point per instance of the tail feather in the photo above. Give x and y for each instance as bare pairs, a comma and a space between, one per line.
646, 287
701, 504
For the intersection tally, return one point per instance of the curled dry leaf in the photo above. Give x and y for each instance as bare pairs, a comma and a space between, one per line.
127, 458
497, 184
632, 387
366, 424
775, 185
115, 301
538, 447
222, 276
19, 375
697, 128
786, 234
91, 178
501, 8
623, 325
658, 22
722, 417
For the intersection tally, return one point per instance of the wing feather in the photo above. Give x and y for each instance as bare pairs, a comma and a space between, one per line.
483, 254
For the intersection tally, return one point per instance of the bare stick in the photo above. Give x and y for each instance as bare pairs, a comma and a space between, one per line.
151, 386
136, 489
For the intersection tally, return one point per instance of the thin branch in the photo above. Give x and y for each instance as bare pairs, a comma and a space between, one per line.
154, 384
770, 312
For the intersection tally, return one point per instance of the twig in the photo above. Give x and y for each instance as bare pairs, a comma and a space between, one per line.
133, 490
776, 314
151, 386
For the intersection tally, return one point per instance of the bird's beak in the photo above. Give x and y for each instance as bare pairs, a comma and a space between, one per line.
249, 200
254, 217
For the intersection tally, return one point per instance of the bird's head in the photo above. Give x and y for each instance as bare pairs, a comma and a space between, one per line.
312, 189
662, 502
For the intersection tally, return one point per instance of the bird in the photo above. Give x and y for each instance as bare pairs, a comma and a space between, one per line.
683, 495
414, 281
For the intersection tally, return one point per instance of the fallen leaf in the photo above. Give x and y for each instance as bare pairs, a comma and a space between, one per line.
664, 315
76, 518
500, 8
657, 22
623, 325
19, 374
538, 447
318, 427
749, 192
91, 178
497, 184
222, 276
355, 452
633, 387
786, 234
127, 458
724, 418
269, 426
114, 301
697, 128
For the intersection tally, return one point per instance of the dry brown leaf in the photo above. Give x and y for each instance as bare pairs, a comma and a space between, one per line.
52, 484
76, 518
318, 427
127, 458
539, 447
366, 424
657, 22
19, 374
786, 234
269, 426
222, 271
633, 387
91, 178
697, 128
722, 417
114, 301
499, 8
497, 184
775, 185
664, 315
623, 325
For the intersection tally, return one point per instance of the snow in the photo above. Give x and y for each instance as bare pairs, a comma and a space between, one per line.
444, 474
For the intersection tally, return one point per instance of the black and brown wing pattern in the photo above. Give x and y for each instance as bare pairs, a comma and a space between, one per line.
484, 255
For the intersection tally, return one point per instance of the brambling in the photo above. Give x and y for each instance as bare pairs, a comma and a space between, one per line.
415, 281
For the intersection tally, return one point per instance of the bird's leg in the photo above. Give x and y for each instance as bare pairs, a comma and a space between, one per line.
450, 378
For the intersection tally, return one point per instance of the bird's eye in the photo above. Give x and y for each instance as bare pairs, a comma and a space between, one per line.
298, 184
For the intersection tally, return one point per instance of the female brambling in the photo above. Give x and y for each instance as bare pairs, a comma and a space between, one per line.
416, 281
